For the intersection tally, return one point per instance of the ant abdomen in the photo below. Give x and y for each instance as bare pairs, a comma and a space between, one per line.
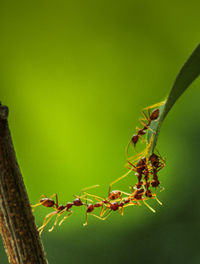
154, 115
47, 202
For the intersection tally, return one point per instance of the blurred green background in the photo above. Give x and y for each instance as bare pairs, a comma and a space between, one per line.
75, 75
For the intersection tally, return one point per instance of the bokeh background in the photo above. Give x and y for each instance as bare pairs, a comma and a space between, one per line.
75, 75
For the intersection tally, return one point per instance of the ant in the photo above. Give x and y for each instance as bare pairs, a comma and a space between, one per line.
157, 164
111, 206
146, 123
144, 168
140, 168
59, 209
113, 202
142, 131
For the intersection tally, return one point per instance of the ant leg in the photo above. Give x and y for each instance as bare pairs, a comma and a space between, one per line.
163, 160
153, 131
133, 167
85, 224
148, 147
35, 205
59, 214
90, 187
39, 203
86, 213
135, 157
155, 105
142, 139
46, 221
149, 206
127, 148
56, 203
64, 218
101, 218
130, 204
140, 136
155, 197
125, 194
85, 189
119, 179
105, 217
83, 197
144, 124
102, 211
145, 117
98, 198
122, 211
56, 199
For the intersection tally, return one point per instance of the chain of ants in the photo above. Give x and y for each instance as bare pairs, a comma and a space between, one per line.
145, 168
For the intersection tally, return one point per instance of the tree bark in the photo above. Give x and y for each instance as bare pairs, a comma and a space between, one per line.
17, 226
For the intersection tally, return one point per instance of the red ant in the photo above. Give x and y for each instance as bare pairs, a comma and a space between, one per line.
142, 131
157, 165
148, 118
59, 209
111, 206
144, 168
111, 203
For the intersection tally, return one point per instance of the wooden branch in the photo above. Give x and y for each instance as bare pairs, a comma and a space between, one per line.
21, 239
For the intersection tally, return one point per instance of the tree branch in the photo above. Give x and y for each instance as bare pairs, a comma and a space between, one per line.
17, 226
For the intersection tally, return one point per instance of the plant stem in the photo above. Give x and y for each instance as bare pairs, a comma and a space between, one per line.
17, 226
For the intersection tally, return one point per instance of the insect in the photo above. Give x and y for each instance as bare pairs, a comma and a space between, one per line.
58, 210
146, 123
110, 206
157, 163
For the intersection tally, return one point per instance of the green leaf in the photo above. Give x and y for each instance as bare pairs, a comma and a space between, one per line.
188, 73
